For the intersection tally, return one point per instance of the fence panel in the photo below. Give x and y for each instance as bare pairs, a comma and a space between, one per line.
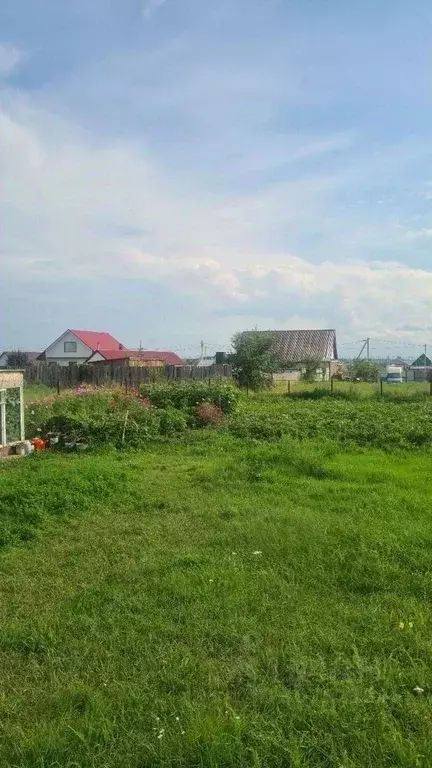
65, 377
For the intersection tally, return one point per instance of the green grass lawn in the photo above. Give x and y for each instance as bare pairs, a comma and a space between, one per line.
216, 602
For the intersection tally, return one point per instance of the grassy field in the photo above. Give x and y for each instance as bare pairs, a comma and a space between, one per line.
218, 600
356, 390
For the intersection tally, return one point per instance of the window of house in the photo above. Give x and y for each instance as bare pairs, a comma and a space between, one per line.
70, 346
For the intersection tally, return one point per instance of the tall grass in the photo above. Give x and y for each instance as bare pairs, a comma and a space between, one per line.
216, 603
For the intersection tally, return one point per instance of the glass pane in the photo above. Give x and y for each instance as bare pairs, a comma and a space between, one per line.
13, 424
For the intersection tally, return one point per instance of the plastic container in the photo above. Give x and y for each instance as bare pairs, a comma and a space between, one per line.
39, 444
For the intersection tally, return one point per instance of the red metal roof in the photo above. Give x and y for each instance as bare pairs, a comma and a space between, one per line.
168, 358
97, 341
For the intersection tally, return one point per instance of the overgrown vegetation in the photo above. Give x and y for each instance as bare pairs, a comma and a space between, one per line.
383, 424
216, 603
188, 396
363, 370
400, 420
253, 360
110, 416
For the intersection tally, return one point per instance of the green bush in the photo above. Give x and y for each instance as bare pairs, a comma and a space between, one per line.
186, 396
104, 418
172, 422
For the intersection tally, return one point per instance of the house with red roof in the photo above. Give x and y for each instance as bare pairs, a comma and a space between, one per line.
135, 357
77, 346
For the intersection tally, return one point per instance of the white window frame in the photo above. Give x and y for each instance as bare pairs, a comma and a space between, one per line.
69, 351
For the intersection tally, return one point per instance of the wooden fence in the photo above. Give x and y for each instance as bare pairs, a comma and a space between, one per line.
64, 377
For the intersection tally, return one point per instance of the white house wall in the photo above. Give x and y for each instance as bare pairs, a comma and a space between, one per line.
56, 354
96, 358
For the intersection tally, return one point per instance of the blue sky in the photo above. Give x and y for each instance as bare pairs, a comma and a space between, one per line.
176, 170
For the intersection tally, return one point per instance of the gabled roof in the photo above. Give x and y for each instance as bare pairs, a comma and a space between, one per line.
97, 340
92, 339
299, 346
421, 362
168, 358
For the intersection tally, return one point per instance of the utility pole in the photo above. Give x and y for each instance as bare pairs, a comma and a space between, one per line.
366, 345
202, 350
425, 360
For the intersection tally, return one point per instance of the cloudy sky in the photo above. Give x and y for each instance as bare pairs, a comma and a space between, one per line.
175, 170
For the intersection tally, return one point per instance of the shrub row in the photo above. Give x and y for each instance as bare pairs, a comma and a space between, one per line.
187, 396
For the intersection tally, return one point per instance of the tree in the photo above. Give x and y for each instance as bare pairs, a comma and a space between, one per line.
363, 370
17, 359
253, 360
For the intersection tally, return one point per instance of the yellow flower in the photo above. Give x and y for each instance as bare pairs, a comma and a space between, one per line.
401, 625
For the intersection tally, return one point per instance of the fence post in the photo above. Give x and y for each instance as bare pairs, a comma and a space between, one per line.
381, 387
331, 384
289, 386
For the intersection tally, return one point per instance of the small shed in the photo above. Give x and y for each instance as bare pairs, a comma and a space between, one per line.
11, 408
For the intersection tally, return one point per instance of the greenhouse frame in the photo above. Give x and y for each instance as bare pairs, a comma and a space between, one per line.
12, 427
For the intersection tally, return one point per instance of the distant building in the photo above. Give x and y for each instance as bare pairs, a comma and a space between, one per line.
220, 358
296, 349
135, 357
205, 362
420, 370
4, 357
77, 346
422, 362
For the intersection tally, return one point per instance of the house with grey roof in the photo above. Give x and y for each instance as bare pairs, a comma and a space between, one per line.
420, 369
298, 349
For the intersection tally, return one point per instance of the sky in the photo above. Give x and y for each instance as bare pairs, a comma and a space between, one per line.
174, 171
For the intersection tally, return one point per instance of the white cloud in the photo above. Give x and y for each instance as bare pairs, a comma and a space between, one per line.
75, 209
9, 58
151, 6
416, 234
